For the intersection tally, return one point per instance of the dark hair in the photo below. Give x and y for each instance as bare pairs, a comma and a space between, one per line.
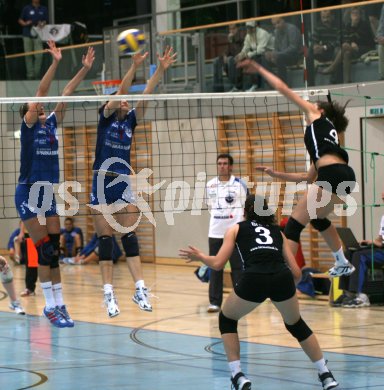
23, 109
256, 209
336, 114
68, 219
225, 155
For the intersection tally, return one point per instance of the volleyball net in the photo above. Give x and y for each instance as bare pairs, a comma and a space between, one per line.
175, 147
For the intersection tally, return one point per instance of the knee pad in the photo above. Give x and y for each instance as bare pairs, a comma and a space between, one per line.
293, 229
6, 277
105, 248
301, 331
55, 240
226, 325
130, 244
321, 224
45, 251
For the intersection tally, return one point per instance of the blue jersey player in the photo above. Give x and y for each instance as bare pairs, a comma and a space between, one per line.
111, 185
39, 170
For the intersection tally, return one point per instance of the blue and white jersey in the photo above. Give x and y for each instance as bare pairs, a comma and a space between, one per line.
39, 156
226, 203
114, 139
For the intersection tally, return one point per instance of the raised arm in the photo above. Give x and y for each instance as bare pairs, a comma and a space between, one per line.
215, 262
87, 61
34, 108
308, 176
310, 110
113, 105
165, 62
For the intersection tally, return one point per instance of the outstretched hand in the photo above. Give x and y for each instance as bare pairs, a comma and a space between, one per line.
168, 58
191, 254
139, 58
269, 171
88, 58
55, 52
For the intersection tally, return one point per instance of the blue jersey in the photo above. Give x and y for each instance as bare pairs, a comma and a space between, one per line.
35, 14
69, 237
114, 139
39, 156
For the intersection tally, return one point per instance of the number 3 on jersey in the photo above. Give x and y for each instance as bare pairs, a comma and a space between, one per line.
265, 234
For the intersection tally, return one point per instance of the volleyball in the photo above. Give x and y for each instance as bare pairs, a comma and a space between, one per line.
131, 41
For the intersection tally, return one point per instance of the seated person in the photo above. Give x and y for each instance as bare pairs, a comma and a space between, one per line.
70, 239
362, 260
256, 42
90, 253
325, 45
357, 40
227, 62
287, 47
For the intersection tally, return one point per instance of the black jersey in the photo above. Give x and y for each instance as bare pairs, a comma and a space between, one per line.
260, 247
321, 138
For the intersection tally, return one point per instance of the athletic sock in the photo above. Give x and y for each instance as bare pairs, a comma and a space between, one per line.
50, 302
321, 366
140, 284
108, 288
58, 294
339, 257
234, 367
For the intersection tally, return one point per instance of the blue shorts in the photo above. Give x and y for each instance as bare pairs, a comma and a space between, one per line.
117, 193
28, 204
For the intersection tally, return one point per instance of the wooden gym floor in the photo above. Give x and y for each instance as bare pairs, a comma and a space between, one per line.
178, 345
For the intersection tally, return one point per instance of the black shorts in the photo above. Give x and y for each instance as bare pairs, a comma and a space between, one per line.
335, 174
255, 287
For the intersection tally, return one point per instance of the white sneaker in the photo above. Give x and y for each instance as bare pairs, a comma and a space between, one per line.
240, 382
110, 302
361, 300
234, 89
213, 308
340, 270
141, 298
16, 306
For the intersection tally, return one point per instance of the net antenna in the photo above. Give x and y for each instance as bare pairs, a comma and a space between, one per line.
106, 87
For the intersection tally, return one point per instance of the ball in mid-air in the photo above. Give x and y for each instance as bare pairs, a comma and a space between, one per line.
131, 41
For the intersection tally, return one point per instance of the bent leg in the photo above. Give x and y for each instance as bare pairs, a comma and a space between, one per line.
235, 308
290, 312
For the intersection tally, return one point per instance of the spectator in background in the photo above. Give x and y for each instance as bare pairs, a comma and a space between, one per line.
71, 239
15, 243
325, 45
227, 62
362, 259
256, 42
33, 15
90, 253
380, 41
357, 40
287, 47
